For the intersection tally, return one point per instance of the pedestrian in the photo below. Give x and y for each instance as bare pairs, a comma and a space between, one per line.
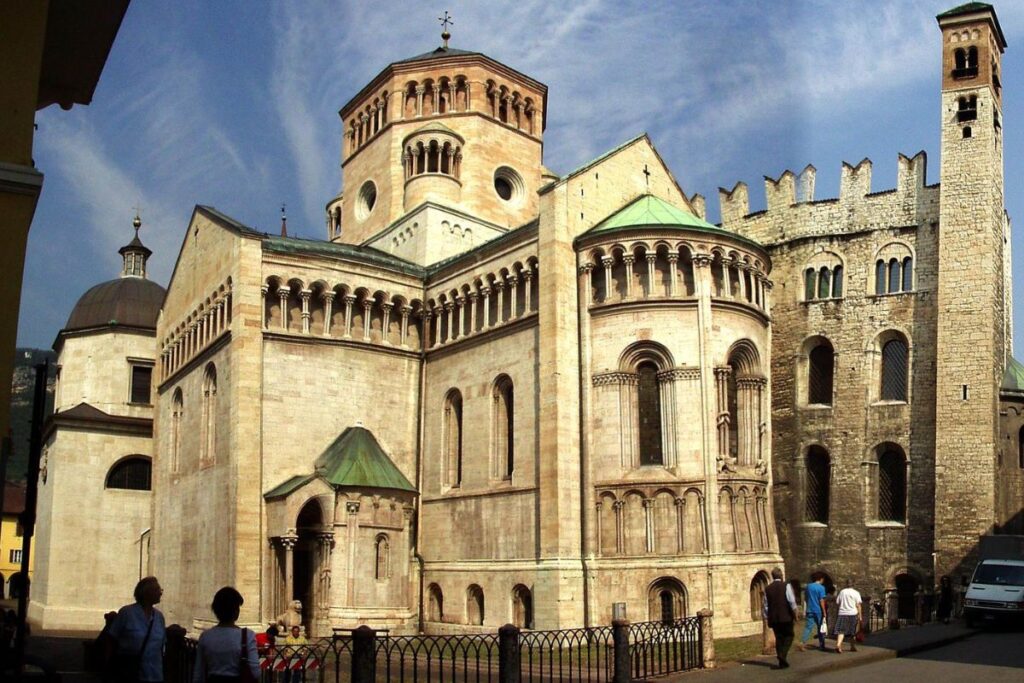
814, 610
849, 619
779, 610
135, 646
295, 643
223, 650
945, 609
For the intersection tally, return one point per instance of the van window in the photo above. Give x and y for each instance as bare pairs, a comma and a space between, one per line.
999, 574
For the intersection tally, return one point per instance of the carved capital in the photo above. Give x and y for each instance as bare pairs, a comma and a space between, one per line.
702, 260
352, 507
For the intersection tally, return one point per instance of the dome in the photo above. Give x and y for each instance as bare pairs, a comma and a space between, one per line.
128, 301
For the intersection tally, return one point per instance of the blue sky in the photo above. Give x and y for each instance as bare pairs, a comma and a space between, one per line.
234, 104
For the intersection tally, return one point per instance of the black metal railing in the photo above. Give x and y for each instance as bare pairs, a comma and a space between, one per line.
657, 648
601, 654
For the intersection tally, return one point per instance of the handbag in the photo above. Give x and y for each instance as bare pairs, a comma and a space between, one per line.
824, 627
244, 672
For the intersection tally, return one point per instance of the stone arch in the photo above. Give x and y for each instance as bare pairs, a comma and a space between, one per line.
817, 365
453, 441
435, 603
208, 427
522, 607
132, 472
608, 522
503, 427
758, 586
475, 605
638, 352
666, 599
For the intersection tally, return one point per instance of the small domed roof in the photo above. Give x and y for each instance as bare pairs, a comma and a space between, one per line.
129, 301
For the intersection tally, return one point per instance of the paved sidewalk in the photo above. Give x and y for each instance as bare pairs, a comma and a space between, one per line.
805, 665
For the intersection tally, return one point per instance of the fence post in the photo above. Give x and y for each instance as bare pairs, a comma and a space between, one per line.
174, 659
508, 654
620, 641
364, 655
707, 638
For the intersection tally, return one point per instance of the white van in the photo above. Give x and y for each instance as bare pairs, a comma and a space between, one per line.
996, 591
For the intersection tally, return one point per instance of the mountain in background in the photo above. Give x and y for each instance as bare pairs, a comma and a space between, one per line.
22, 388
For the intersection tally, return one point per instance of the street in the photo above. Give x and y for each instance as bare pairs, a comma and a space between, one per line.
989, 656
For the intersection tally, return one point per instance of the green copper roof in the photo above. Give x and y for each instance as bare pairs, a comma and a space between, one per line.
288, 486
356, 459
1013, 378
650, 210
965, 8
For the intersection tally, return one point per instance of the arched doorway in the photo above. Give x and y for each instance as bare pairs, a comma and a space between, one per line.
522, 607
906, 591
666, 599
758, 585
308, 526
18, 584
475, 605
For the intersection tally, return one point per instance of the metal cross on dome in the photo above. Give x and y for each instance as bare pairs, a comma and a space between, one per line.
445, 21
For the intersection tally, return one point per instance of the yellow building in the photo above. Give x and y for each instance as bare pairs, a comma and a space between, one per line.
10, 542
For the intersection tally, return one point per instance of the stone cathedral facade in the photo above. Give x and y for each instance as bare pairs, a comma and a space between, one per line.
495, 394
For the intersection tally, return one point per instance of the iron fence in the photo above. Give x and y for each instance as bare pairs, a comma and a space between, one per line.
657, 648
602, 654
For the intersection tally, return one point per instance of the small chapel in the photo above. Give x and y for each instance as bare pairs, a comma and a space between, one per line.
495, 394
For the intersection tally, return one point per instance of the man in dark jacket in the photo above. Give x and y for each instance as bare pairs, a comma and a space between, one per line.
780, 611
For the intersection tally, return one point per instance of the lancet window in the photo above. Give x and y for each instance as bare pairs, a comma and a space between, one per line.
452, 441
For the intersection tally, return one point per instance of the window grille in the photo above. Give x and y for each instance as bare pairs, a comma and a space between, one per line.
894, 371
818, 484
819, 376
892, 487
133, 473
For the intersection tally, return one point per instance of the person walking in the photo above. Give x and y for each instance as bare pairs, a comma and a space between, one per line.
779, 610
945, 609
135, 642
223, 650
814, 610
849, 619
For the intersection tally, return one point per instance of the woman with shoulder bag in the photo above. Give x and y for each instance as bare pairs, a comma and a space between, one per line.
226, 653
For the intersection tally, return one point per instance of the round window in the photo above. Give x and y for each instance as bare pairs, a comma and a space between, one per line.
508, 184
367, 199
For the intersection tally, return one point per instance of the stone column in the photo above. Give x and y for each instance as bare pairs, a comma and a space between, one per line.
586, 270
513, 282
727, 278
305, 294
629, 260
282, 294
438, 312
265, 289
527, 279
425, 340
473, 297
460, 307
722, 402
608, 282
500, 286
385, 321
420, 89
486, 291
680, 504
367, 311
328, 298
288, 543
649, 524
349, 300
709, 413
651, 258
449, 309
352, 510
617, 506
404, 333
673, 269
325, 542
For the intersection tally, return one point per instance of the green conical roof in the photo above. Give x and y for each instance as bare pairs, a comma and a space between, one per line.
1013, 378
647, 210
356, 459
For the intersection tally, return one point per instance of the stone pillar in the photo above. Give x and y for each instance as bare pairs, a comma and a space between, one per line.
282, 295
527, 279
722, 402
486, 291
367, 312
420, 89
617, 507
513, 282
288, 544
404, 333
608, 261
385, 321
265, 289
586, 271
473, 297
305, 294
709, 414
460, 303
328, 298
352, 512
649, 523
425, 337
438, 312
673, 270
651, 258
500, 286
629, 260
450, 310
727, 278
707, 636
349, 300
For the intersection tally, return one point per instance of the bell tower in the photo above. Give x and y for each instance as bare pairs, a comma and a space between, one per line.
972, 298
451, 131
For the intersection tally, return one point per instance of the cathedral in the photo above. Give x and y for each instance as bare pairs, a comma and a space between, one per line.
495, 394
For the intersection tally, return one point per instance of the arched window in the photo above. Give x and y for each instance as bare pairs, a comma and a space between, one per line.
522, 607
435, 603
177, 409
741, 414
453, 437
209, 430
894, 275
908, 274
821, 362
818, 465
134, 473
959, 59
894, 371
837, 282
382, 555
503, 427
649, 405
972, 57
758, 585
880, 277
475, 605
892, 486
810, 286
824, 282
666, 600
